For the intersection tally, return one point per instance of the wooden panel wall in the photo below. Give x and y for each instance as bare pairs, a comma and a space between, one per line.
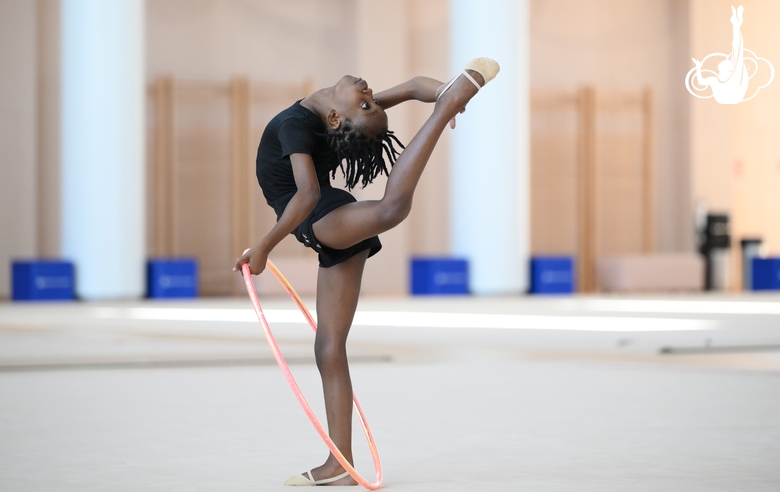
204, 200
591, 174
592, 178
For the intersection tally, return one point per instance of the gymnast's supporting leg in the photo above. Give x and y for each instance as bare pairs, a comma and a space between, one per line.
354, 222
338, 288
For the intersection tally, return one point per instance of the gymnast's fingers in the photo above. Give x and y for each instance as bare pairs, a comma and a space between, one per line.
245, 258
453, 123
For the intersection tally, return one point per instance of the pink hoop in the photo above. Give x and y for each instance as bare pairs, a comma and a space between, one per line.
250, 288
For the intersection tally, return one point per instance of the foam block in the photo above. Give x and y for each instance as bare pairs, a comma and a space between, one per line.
439, 276
42, 280
552, 275
766, 274
172, 278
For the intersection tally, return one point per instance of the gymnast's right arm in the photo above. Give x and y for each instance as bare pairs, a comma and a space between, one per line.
300, 206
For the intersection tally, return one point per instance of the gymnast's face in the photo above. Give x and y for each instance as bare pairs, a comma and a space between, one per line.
354, 100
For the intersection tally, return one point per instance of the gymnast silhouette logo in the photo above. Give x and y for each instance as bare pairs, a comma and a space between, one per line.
730, 84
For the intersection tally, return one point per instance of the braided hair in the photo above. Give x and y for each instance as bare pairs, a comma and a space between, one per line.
360, 155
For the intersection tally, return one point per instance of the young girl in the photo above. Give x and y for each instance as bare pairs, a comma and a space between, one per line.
345, 126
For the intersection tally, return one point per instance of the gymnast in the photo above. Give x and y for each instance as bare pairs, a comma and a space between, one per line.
345, 127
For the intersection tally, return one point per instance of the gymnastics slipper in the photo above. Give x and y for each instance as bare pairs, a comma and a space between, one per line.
486, 67
302, 480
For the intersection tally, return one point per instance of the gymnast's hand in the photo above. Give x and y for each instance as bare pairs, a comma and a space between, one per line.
256, 257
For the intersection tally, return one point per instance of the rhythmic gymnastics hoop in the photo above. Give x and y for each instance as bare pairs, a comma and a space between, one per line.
250, 288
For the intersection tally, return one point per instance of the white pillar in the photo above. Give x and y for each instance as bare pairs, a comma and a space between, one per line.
490, 150
103, 153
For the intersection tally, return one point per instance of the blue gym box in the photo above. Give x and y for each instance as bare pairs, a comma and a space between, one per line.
440, 276
42, 280
171, 278
766, 274
552, 275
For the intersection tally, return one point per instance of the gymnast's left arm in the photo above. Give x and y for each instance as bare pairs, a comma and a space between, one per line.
420, 88
417, 89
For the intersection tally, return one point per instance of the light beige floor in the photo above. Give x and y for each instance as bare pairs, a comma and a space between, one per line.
114, 397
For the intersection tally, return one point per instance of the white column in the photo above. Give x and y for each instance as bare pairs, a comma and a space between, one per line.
490, 149
103, 184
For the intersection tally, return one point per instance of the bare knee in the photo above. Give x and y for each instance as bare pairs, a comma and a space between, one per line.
329, 353
393, 212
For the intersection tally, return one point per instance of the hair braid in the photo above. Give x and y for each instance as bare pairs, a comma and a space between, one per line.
360, 155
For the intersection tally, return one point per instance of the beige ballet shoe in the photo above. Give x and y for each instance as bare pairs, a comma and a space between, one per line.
302, 480
486, 67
